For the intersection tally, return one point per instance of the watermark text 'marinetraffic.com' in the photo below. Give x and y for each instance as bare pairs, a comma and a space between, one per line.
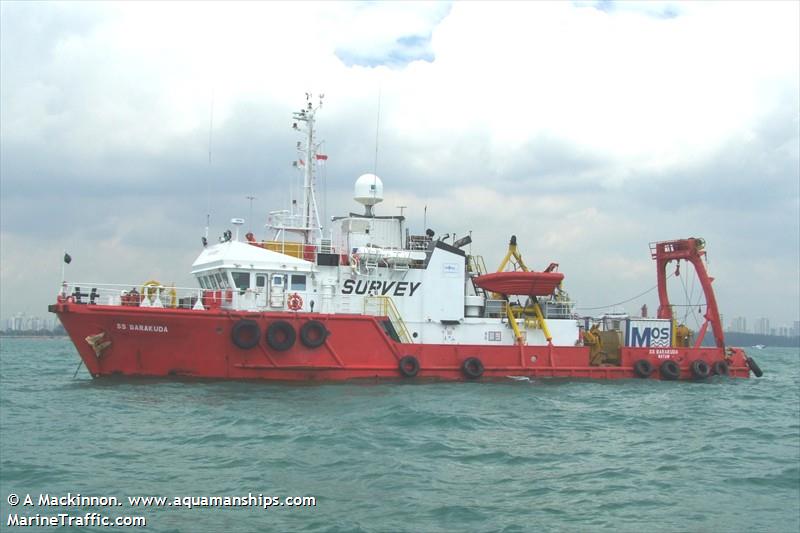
68, 520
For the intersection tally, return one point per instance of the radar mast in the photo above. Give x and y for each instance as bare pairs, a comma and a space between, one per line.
306, 222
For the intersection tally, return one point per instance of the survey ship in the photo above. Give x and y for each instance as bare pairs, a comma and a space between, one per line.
368, 299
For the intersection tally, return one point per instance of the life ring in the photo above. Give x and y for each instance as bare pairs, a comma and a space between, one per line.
245, 334
700, 369
472, 367
754, 367
281, 335
643, 368
313, 334
409, 366
147, 286
721, 368
153, 288
670, 370
295, 302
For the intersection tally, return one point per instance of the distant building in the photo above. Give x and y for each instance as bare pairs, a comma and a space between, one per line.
23, 322
762, 326
739, 324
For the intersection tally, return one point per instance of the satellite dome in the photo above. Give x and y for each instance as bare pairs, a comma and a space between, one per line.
368, 191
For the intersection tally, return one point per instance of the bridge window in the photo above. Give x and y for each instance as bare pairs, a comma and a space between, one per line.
201, 280
298, 282
241, 279
211, 281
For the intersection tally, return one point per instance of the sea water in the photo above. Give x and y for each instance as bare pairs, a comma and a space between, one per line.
543, 455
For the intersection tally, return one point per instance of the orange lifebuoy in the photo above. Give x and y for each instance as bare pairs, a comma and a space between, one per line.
295, 302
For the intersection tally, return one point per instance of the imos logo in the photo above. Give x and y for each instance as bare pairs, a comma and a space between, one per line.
650, 336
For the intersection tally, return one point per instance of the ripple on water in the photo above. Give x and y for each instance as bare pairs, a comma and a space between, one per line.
545, 455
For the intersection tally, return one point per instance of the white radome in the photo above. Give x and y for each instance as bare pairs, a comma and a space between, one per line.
368, 190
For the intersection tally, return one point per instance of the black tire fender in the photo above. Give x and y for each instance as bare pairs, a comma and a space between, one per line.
754, 367
670, 370
281, 335
700, 369
245, 334
313, 334
472, 367
721, 368
409, 366
643, 368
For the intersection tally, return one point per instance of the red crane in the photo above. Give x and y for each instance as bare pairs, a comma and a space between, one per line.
692, 250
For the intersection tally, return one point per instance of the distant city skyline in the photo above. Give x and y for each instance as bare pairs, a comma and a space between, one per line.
23, 322
762, 326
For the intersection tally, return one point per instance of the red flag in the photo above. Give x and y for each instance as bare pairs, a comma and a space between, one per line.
322, 157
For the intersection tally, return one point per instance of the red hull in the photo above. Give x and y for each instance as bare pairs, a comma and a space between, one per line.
175, 342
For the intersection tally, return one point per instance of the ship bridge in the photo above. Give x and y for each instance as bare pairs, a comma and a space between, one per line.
255, 272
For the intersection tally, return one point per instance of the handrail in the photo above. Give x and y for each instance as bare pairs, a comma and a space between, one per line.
129, 295
136, 285
481, 264
386, 307
476, 264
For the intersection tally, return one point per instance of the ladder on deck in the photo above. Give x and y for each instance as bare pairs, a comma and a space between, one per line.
384, 306
476, 267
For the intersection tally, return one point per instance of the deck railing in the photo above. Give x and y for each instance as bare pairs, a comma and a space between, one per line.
149, 294
299, 250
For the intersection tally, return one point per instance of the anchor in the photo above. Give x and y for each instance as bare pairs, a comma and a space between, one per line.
98, 344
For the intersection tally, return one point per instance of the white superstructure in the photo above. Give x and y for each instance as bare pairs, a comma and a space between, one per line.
371, 264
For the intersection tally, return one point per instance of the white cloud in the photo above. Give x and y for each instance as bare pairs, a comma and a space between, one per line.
588, 132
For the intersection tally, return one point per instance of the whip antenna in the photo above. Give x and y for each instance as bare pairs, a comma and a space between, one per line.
377, 136
377, 133
210, 138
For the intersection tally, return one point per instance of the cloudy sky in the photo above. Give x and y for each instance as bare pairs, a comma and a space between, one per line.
588, 129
